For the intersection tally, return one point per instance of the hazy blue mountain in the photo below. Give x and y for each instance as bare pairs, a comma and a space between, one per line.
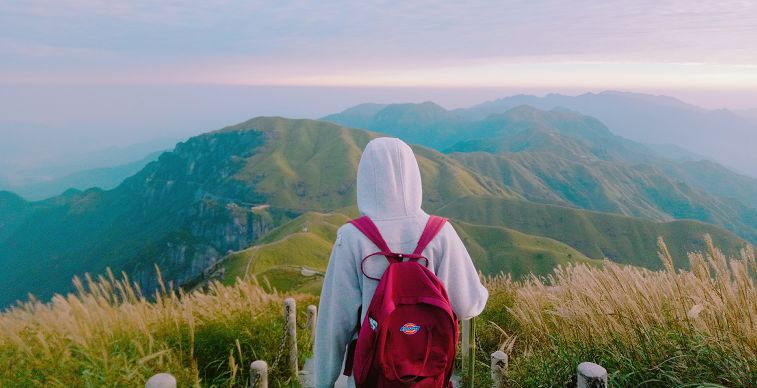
720, 135
103, 178
37, 169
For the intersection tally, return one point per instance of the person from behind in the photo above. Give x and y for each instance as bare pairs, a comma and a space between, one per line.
389, 193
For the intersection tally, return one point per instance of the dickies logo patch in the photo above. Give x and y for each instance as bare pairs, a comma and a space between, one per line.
410, 328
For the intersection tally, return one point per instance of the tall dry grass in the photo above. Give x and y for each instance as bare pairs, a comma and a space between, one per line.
109, 334
666, 328
648, 328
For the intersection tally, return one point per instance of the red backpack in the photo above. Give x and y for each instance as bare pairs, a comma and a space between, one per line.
409, 334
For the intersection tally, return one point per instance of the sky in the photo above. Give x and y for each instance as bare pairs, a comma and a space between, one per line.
80, 75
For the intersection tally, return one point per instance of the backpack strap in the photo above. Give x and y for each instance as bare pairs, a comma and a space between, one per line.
433, 226
365, 225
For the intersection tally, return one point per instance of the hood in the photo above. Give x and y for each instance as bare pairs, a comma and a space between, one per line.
388, 180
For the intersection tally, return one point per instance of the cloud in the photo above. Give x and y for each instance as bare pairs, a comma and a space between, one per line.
239, 41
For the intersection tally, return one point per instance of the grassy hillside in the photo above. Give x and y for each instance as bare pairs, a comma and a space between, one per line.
597, 235
688, 328
502, 250
214, 193
13, 210
565, 158
311, 165
664, 328
171, 213
608, 186
221, 192
426, 123
278, 259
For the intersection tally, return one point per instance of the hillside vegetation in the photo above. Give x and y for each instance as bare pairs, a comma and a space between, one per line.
207, 206
596, 235
215, 193
294, 256
565, 158
652, 328
647, 328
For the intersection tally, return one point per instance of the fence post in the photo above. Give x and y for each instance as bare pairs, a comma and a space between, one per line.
312, 319
290, 320
590, 375
465, 341
471, 352
469, 349
499, 368
161, 380
259, 374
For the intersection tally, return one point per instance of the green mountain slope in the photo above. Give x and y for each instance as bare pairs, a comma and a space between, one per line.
564, 158
294, 255
198, 209
638, 190
426, 123
597, 235
214, 193
13, 210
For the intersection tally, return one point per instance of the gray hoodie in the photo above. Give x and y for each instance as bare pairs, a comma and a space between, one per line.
389, 191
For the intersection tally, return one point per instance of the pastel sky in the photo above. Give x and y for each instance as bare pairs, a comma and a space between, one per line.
607, 44
125, 71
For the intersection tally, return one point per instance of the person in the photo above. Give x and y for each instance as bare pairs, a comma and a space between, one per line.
389, 192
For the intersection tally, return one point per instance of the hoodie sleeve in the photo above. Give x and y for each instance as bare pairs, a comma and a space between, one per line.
455, 269
337, 313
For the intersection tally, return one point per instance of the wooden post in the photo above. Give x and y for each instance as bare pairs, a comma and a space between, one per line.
290, 320
499, 368
161, 380
312, 319
471, 351
259, 374
590, 375
465, 331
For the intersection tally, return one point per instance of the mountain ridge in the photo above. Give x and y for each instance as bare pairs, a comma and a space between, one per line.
224, 191
568, 158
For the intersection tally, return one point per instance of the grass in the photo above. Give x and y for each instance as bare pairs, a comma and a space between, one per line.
622, 239
306, 241
108, 334
647, 328
669, 327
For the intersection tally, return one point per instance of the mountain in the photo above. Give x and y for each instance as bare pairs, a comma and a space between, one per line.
294, 256
720, 135
13, 210
103, 177
622, 239
32, 168
565, 158
426, 123
256, 193
214, 193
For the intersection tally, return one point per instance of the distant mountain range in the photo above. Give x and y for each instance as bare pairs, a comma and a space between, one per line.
720, 135
516, 199
41, 176
565, 158
104, 178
